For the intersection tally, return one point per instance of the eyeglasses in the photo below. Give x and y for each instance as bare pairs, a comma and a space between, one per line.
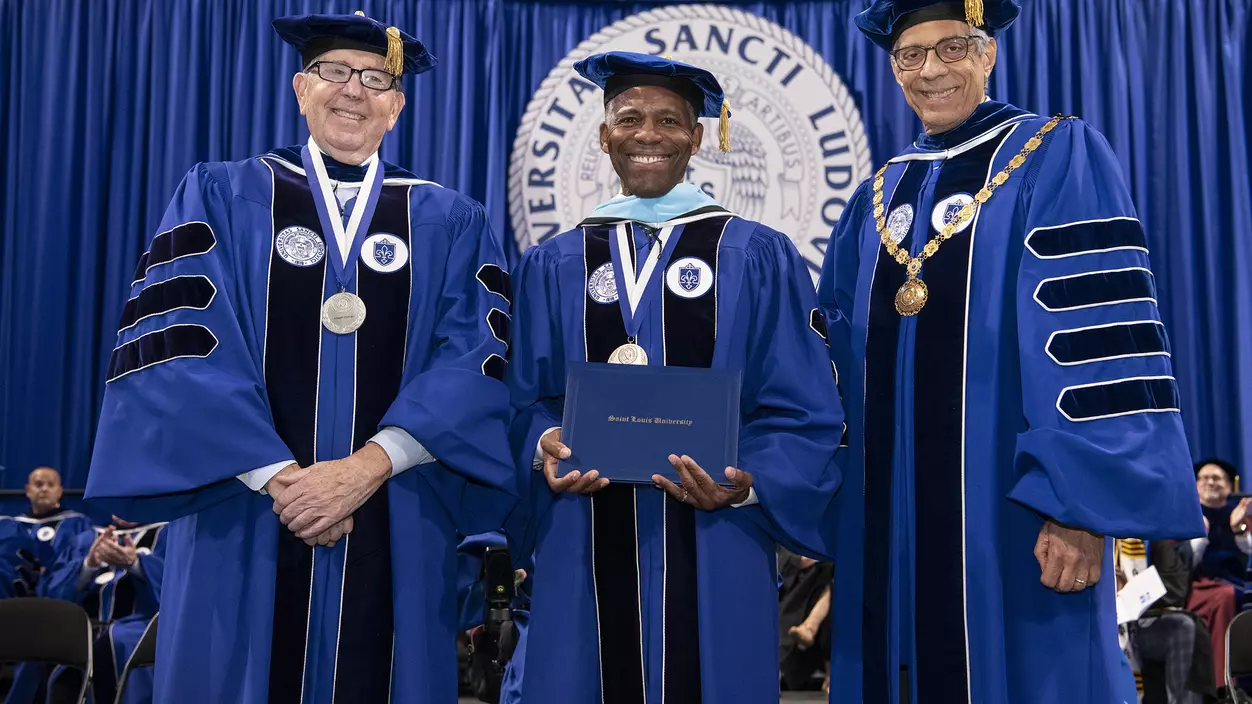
335, 72
950, 50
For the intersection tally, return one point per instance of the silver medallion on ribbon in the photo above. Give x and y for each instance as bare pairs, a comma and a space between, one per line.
629, 353
343, 313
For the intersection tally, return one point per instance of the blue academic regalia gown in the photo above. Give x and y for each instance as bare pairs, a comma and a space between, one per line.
122, 600
43, 535
645, 596
1035, 382
223, 367
37, 542
14, 538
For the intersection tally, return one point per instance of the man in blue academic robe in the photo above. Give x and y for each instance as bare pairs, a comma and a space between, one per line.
308, 384
40, 527
29, 542
668, 594
116, 574
1009, 391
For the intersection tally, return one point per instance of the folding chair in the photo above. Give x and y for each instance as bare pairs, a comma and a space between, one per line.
144, 655
35, 629
1238, 649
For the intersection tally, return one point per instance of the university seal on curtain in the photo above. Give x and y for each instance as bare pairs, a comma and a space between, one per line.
798, 147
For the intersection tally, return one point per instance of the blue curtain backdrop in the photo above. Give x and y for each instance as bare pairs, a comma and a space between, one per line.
104, 105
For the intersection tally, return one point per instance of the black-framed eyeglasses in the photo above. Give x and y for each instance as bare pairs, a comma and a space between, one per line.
335, 72
950, 50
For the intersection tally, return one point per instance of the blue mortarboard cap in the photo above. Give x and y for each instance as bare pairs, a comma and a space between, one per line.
618, 71
884, 20
314, 35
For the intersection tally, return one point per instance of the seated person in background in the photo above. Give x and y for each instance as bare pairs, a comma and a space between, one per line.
43, 526
43, 521
1168, 645
115, 573
804, 620
1218, 561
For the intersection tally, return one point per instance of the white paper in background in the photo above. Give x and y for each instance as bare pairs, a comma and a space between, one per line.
1140, 592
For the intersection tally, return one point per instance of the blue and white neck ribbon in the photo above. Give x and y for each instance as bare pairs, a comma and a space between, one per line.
635, 291
347, 238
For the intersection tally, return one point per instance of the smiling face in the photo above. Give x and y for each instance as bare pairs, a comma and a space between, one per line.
650, 133
347, 120
1213, 486
944, 94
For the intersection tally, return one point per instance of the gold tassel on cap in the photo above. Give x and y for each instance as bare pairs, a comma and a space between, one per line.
973, 13
723, 127
395, 52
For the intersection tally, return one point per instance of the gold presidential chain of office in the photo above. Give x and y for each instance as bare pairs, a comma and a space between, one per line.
913, 294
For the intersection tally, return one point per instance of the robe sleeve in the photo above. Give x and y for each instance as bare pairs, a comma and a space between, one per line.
836, 287
184, 407
61, 575
457, 407
151, 568
792, 416
1103, 447
13, 538
536, 389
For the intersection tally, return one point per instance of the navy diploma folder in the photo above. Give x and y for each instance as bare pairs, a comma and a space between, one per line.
625, 421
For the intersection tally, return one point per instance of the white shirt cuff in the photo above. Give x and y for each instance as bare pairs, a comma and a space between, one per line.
258, 478
1244, 542
1198, 546
404, 451
537, 465
85, 575
751, 500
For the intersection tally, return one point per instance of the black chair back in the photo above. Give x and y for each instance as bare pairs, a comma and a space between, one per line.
34, 629
1238, 648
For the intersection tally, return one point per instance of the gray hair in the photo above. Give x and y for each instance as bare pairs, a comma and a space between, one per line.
980, 34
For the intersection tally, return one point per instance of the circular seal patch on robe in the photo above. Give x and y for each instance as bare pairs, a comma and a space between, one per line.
689, 277
602, 287
899, 222
46, 533
798, 147
105, 577
946, 211
384, 252
300, 246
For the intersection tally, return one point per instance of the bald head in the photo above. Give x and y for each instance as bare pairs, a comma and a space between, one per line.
43, 488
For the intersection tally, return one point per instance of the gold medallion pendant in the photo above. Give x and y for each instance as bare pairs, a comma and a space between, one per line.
911, 297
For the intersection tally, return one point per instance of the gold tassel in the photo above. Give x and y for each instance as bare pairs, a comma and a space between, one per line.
723, 127
973, 13
395, 52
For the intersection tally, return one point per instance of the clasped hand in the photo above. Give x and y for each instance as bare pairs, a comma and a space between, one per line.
108, 549
317, 502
